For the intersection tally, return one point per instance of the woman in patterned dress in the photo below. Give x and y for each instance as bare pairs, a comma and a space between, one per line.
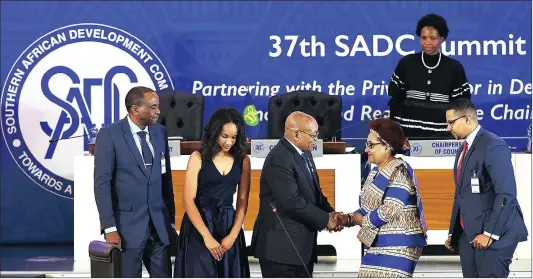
393, 227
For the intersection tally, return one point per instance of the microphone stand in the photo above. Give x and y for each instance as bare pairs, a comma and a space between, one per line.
334, 138
54, 140
294, 246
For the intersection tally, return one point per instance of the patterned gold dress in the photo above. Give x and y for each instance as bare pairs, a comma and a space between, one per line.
393, 228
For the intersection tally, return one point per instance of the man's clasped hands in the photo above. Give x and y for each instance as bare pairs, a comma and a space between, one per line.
339, 220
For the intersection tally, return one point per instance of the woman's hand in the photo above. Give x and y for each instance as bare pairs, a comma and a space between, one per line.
214, 247
355, 219
227, 243
358, 219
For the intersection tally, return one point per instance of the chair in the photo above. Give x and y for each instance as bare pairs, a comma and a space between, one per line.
105, 260
182, 113
326, 109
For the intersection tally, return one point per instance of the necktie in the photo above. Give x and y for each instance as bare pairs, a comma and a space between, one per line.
147, 153
308, 162
465, 148
313, 173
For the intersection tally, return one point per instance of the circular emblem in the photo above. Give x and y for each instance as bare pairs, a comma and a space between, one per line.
259, 146
250, 115
416, 149
60, 85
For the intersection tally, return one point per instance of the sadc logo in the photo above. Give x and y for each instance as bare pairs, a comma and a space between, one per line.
416, 149
60, 85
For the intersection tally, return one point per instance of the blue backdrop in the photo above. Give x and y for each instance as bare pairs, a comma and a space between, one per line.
66, 65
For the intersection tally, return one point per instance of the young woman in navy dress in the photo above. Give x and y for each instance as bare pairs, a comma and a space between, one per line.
211, 242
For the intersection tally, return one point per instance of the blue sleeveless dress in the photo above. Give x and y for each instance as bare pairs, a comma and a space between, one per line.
214, 199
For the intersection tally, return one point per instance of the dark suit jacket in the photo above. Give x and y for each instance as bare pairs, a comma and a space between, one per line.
490, 158
126, 194
303, 209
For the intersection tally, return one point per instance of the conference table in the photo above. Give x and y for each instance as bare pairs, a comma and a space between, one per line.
340, 180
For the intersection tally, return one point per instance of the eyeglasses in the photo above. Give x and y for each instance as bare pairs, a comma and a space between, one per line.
371, 145
313, 136
451, 122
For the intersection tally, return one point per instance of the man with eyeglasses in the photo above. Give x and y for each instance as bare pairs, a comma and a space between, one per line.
290, 188
486, 222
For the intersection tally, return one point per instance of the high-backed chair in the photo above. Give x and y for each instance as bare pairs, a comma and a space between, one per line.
182, 113
326, 109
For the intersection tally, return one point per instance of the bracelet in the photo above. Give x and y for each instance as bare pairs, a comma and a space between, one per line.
349, 222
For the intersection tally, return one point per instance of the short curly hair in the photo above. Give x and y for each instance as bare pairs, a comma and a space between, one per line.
435, 21
209, 145
389, 131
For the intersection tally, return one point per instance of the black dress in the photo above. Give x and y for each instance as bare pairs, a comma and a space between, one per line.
420, 94
214, 199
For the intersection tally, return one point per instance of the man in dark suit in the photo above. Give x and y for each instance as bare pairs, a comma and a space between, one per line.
486, 223
290, 188
133, 186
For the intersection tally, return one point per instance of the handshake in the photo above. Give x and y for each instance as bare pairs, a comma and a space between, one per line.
339, 220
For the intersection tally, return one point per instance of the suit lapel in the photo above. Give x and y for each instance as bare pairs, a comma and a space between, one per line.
154, 140
457, 157
314, 172
303, 166
469, 153
316, 179
301, 163
128, 137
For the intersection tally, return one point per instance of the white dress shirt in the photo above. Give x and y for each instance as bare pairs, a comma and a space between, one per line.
135, 130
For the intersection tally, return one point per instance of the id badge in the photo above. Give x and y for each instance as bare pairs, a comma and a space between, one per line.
163, 164
474, 183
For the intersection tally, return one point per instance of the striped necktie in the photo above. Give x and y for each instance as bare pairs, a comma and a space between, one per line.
146, 152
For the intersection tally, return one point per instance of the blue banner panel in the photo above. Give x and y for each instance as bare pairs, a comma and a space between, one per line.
68, 65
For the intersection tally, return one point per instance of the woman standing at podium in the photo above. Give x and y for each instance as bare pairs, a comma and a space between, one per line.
211, 242
424, 83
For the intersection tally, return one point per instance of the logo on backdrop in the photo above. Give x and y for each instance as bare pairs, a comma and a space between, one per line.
250, 116
60, 85
416, 149
259, 146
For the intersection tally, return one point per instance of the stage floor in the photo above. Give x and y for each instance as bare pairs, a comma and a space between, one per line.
58, 262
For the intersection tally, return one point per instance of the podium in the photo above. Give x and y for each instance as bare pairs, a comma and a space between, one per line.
188, 147
340, 179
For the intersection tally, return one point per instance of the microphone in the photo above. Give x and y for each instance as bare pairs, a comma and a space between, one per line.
55, 140
490, 237
294, 246
334, 138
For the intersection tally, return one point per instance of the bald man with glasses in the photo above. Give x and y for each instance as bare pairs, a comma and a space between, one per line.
290, 188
